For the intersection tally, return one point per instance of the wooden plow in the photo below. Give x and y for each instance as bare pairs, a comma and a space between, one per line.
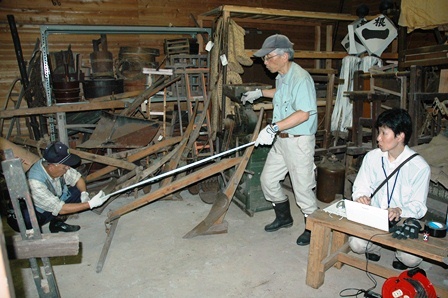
214, 222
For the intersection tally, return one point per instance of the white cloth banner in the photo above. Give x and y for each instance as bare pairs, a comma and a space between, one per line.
342, 116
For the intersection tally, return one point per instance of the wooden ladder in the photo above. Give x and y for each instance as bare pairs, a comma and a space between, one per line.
196, 93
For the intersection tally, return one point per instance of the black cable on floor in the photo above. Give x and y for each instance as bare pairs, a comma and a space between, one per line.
363, 291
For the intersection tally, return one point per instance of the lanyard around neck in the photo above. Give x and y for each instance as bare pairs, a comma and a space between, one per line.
391, 174
389, 197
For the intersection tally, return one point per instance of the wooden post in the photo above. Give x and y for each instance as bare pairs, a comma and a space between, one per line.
357, 110
402, 34
329, 46
317, 41
6, 284
415, 83
328, 110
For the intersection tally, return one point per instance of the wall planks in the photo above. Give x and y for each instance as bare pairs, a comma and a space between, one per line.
29, 15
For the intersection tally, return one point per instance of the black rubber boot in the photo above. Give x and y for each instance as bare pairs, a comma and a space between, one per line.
305, 238
283, 218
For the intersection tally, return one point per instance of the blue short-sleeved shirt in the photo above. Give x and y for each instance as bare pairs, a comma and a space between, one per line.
295, 91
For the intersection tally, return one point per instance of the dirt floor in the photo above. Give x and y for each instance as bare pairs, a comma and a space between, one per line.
149, 257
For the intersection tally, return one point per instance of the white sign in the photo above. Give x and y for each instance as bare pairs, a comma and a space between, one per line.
377, 34
351, 42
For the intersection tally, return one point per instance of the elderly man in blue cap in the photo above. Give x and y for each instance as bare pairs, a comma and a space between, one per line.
57, 189
291, 133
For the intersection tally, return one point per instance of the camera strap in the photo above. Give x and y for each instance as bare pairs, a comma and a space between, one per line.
393, 172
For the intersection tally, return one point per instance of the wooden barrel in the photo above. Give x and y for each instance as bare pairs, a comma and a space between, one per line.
66, 92
102, 64
135, 58
131, 61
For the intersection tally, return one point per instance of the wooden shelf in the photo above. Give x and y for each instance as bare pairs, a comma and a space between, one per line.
260, 14
323, 46
324, 54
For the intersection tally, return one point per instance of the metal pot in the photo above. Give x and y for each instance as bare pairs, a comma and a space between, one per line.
102, 87
330, 179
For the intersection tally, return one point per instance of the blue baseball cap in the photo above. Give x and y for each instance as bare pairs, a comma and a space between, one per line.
59, 153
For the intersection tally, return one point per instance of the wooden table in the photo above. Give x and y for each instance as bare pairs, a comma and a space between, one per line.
329, 247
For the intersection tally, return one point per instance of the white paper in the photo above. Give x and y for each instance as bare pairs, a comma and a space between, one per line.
209, 46
336, 208
223, 59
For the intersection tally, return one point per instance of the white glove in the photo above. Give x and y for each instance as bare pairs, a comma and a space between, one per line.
250, 96
98, 200
266, 136
85, 197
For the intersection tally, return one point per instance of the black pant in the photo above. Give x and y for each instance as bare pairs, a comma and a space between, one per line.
42, 218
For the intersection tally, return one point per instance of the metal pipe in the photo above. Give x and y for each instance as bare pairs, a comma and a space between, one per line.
182, 168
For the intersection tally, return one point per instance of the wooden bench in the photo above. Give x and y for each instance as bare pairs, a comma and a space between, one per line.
329, 247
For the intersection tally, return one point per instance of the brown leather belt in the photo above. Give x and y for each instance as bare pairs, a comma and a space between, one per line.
287, 135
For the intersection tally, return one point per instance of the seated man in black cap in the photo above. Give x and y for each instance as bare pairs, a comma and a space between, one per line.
57, 189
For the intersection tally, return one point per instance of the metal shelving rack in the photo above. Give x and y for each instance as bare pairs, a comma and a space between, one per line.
46, 30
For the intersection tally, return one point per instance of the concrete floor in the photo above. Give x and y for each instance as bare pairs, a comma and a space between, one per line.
149, 258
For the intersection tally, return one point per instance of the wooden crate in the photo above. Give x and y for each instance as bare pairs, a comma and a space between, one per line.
177, 46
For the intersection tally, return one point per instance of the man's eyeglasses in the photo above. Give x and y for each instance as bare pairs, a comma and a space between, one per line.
266, 58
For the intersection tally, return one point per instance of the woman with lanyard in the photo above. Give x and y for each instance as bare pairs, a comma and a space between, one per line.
404, 193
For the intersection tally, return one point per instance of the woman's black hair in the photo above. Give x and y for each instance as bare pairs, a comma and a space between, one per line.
398, 120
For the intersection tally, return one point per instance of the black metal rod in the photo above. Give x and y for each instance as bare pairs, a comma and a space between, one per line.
23, 73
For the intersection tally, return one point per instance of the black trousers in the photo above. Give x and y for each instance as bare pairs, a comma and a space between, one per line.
42, 218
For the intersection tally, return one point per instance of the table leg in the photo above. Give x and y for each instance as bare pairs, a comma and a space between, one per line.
338, 239
320, 242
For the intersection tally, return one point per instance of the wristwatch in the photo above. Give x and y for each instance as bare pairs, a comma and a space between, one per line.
275, 127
